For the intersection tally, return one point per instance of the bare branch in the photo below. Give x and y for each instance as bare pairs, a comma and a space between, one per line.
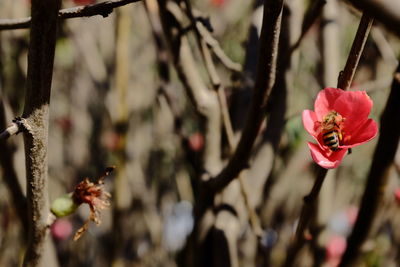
385, 11
18, 125
14, 24
9, 173
312, 14
383, 158
103, 9
204, 99
346, 77
205, 40
307, 212
216, 48
36, 112
265, 80
11, 130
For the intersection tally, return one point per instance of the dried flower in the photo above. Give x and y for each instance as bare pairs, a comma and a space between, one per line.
86, 192
340, 121
95, 196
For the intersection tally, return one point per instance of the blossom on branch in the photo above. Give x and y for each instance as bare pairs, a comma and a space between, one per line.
96, 197
339, 122
85, 192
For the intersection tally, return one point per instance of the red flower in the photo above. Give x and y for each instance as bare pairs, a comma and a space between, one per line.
339, 122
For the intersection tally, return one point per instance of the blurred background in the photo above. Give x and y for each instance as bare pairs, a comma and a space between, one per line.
118, 100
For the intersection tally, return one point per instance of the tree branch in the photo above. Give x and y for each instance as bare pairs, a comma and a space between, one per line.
201, 35
265, 80
103, 9
36, 112
378, 174
312, 14
204, 100
217, 50
346, 76
10, 175
307, 211
18, 125
385, 11
344, 81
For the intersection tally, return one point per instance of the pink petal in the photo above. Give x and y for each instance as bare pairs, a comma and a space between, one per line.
309, 122
335, 247
325, 101
363, 134
325, 158
354, 107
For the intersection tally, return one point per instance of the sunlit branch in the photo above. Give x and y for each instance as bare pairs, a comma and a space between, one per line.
103, 9
266, 70
18, 125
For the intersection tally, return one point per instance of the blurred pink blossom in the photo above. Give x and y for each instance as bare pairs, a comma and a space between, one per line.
334, 250
61, 229
397, 195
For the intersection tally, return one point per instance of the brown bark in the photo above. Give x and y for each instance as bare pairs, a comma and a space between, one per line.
378, 174
265, 80
36, 113
103, 9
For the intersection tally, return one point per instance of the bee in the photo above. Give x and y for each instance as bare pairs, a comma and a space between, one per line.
331, 130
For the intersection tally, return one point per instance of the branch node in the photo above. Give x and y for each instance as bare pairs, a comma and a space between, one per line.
18, 125
22, 125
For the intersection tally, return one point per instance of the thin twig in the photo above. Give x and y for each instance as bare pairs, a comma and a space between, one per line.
216, 82
385, 11
216, 48
18, 125
202, 34
123, 67
312, 14
307, 212
10, 175
344, 81
11, 130
204, 100
103, 9
346, 77
265, 80
378, 175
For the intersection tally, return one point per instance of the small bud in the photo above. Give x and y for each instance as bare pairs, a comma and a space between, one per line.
63, 206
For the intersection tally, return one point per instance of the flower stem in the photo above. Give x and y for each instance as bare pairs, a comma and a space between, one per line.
347, 75
344, 81
307, 212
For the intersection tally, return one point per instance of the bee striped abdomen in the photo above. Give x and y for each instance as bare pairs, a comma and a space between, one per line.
331, 139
